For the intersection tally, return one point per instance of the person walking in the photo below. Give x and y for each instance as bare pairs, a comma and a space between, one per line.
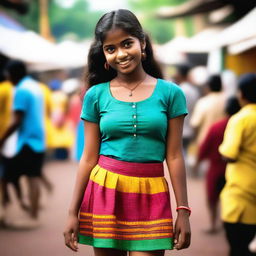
133, 122
215, 174
181, 77
205, 112
238, 198
8, 149
28, 114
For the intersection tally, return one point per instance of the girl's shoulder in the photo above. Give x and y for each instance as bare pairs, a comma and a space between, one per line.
169, 87
165, 84
97, 89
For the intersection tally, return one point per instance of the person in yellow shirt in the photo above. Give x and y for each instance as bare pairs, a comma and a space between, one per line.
6, 92
238, 198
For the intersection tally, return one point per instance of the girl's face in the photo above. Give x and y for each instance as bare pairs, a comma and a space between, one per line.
122, 51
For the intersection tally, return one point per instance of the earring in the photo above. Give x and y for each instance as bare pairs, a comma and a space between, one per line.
106, 66
143, 55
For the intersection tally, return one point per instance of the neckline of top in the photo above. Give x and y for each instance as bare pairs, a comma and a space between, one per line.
129, 102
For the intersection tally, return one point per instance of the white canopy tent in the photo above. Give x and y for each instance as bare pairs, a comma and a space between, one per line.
174, 51
202, 42
242, 32
238, 37
40, 54
170, 53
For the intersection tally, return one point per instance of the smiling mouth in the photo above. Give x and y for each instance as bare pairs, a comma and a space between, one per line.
124, 63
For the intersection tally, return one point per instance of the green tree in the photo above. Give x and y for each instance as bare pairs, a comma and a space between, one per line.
31, 19
78, 20
161, 31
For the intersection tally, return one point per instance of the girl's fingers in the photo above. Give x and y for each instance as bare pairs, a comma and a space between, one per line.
74, 240
176, 238
69, 241
183, 241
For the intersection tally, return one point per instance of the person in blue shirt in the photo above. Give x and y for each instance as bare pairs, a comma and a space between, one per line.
28, 113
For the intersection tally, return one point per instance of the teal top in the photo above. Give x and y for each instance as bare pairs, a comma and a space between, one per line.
134, 131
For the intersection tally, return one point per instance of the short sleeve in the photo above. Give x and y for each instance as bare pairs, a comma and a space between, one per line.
232, 138
177, 103
90, 111
21, 100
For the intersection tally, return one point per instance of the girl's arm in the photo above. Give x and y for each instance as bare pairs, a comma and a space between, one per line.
88, 160
176, 167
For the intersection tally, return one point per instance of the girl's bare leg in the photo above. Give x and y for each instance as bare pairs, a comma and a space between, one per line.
149, 253
108, 252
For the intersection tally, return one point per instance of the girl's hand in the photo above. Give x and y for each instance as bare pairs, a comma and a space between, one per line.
182, 233
71, 233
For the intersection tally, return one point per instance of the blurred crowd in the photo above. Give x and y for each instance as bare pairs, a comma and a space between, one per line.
219, 140
41, 121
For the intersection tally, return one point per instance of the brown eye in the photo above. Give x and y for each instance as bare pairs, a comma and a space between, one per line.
110, 49
127, 44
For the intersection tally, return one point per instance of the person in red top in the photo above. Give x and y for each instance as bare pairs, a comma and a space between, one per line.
215, 175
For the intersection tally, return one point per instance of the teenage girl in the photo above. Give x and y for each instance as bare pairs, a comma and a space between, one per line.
133, 122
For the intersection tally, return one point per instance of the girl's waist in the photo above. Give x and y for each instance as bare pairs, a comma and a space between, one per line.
131, 168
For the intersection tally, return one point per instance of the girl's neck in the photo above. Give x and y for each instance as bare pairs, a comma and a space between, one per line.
132, 77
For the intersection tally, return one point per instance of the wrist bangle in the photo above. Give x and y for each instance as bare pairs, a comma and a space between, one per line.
184, 208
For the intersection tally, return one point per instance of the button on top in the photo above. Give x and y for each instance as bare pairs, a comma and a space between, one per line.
134, 106
134, 134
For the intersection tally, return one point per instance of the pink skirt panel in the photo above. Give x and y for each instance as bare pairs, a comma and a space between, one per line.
130, 168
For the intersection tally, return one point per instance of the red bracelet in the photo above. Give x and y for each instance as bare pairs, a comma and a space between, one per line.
184, 208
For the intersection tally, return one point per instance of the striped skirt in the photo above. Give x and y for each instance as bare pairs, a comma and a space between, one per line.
126, 206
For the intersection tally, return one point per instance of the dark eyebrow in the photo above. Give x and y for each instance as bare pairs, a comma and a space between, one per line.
111, 45
127, 39
107, 46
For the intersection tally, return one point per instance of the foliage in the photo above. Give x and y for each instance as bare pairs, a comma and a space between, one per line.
161, 30
77, 20
153, 4
30, 20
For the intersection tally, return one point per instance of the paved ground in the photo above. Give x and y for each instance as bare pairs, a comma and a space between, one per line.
48, 239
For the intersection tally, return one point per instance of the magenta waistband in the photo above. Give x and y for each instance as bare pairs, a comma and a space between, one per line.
130, 168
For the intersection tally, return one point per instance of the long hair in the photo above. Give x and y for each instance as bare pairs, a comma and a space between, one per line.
127, 21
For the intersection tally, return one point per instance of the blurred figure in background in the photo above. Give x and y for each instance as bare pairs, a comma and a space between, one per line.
72, 88
8, 149
229, 82
238, 198
48, 128
28, 112
63, 138
6, 94
209, 108
181, 77
215, 176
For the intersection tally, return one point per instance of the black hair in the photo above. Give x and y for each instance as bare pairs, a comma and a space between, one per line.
214, 83
183, 69
3, 61
127, 21
232, 106
247, 86
16, 70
